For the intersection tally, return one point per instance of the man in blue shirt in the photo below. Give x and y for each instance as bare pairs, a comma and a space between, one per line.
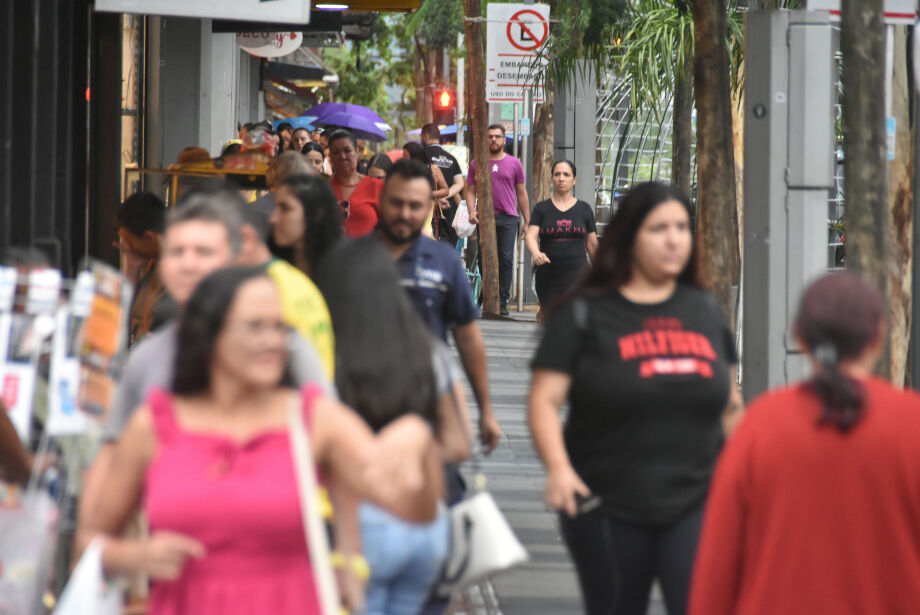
434, 278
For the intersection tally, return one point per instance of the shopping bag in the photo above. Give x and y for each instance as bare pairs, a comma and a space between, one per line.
27, 536
462, 223
87, 591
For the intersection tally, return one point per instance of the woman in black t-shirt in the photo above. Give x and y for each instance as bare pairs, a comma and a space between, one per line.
647, 361
560, 235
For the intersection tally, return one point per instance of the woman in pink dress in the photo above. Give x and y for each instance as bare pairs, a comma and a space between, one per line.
212, 464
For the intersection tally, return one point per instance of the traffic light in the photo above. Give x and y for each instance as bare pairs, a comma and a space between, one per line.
445, 103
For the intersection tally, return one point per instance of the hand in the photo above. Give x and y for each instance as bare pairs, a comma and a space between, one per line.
351, 589
164, 555
524, 230
540, 258
490, 432
399, 455
444, 203
561, 486
474, 216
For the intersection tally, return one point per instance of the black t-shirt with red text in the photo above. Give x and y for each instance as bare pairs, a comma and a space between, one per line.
649, 385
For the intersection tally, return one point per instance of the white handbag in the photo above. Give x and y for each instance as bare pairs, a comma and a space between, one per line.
315, 530
87, 591
481, 543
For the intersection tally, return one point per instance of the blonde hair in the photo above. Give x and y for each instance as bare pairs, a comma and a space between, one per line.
287, 164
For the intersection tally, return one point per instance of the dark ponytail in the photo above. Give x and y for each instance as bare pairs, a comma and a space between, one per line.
839, 318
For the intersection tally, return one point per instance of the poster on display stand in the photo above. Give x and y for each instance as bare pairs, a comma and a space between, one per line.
22, 332
65, 416
103, 340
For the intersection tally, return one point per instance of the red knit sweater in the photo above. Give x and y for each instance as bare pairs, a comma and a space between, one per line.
807, 520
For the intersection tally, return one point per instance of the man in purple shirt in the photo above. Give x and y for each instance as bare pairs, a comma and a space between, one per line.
508, 196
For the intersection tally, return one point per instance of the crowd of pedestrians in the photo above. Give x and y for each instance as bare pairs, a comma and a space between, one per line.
333, 297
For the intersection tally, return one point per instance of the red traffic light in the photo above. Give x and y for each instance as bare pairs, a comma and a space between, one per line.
445, 99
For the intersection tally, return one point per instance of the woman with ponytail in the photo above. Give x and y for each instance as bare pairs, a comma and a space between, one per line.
815, 504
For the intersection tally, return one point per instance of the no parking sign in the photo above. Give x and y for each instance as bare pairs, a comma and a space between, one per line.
515, 35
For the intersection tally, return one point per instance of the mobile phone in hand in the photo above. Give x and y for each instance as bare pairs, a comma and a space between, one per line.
585, 504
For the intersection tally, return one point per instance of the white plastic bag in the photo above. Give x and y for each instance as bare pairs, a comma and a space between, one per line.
26, 550
87, 590
462, 223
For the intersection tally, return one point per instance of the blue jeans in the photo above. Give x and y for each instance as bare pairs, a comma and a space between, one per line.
506, 234
405, 560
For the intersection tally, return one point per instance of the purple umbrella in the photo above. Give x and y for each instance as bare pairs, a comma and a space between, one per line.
323, 109
362, 128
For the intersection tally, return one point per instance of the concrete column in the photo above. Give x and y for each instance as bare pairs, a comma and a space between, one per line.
219, 75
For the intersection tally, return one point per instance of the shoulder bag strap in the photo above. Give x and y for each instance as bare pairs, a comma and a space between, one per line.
315, 531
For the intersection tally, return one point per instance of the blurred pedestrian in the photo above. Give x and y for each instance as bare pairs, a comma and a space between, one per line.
313, 152
284, 165
378, 166
561, 235
815, 503
307, 220
385, 372
302, 305
438, 187
431, 273
140, 221
203, 234
646, 360
213, 462
453, 175
299, 138
509, 195
285, 130
358, 195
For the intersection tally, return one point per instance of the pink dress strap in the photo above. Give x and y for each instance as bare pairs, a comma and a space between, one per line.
164, 417
309, 393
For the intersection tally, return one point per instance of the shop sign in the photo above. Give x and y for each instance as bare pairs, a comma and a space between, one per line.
269, 44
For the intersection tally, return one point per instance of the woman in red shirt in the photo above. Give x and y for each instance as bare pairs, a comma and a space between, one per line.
815, 504
358, 195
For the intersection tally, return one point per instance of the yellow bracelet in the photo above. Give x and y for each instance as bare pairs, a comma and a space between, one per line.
356, 564
325, 504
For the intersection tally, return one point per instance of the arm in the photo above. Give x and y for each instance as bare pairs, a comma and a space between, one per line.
473, 354
440, 184
523, 202
734, 411
398, 470
163, 555
469, 195
457, 187
548, 390
591, 245
15, 461
532, 240
455, 432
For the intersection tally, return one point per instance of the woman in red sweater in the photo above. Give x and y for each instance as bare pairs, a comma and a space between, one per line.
815, 504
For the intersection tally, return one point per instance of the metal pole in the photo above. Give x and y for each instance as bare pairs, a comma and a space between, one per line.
526, 156
915, 262
518, 248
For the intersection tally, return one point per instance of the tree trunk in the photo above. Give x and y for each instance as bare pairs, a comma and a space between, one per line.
543, 141
900, 206
862, 41
682, 132
479, 122
717, 221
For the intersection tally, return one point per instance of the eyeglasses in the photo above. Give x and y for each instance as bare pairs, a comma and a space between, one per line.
345, 206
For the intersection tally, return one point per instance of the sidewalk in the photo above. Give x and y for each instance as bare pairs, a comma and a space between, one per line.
546, 585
